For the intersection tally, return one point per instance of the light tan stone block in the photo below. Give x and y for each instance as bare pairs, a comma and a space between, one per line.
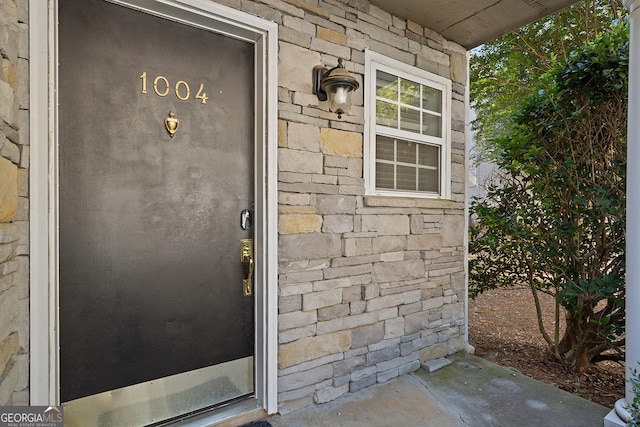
299, 161
453, 230
294, 67
388, 301
330, 393
357, 39
392, 256
295, 199
23, 182
416, 28
309, 7
435, 56
305, 99
433, 352
398, 270
453, 312
389, 244
8, 190
8, 311
295, 224
297, 333
282, 133
340, 143
9, 150
357, 247
9, 74
338, 224
424, 242
8, 347
296, 209
336, 204
296, 319
306, 246
394, 328
435, 302
332, 36
301, 136
387, 225
298, 24
313, 348
330, 326
458, 67
315, 300
458, 112
296, 289
7, 98
10, 379
333, 49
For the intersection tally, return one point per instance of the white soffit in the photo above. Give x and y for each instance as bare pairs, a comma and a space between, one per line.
472, 22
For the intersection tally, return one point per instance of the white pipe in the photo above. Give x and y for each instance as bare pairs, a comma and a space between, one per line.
632, 345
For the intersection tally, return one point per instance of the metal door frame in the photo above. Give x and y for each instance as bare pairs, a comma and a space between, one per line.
44, 345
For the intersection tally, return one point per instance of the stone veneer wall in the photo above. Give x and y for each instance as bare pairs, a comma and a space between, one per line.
14, 213
368, 286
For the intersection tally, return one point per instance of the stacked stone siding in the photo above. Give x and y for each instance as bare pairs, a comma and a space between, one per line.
14, 233
368, 286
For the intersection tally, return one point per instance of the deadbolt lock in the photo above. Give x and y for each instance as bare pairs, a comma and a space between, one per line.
246, 256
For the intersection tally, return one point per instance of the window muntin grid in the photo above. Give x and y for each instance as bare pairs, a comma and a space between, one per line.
407, 165
409, 106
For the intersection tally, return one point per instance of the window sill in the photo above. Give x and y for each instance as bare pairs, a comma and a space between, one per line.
410, 202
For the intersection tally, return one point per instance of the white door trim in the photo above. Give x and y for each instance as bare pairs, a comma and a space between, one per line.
44, 371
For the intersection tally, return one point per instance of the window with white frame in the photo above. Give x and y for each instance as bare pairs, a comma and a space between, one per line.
407, 137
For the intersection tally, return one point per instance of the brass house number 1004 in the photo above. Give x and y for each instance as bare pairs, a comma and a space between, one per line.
182, 90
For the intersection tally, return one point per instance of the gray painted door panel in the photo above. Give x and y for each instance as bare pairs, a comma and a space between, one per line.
150, 278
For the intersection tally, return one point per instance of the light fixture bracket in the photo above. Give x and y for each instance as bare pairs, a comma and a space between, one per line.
319, 72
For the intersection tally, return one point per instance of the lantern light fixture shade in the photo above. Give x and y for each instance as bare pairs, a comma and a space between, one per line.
336, 85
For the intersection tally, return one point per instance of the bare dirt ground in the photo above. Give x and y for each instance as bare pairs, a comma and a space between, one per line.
503, 328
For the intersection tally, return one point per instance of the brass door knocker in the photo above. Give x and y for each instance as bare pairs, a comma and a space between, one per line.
172, 124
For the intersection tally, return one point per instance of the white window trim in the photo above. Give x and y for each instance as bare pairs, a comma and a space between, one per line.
373, 62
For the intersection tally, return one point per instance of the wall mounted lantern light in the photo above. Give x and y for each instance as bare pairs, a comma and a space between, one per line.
336, 85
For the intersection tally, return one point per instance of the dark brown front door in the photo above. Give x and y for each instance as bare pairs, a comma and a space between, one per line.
151, 283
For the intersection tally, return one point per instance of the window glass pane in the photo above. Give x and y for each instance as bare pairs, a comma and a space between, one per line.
428, 180
431, 99
384, 175
410, 119
406, 152
409, 92
406, 179
386, 86
386, 114
431, 125
384, 148
428, 155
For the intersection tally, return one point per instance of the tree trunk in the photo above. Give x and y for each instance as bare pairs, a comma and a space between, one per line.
576, 344
581, 359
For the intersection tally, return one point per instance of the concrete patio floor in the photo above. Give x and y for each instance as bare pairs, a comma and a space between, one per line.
469, 392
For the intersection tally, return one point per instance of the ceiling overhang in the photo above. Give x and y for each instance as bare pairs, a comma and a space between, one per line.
472, 22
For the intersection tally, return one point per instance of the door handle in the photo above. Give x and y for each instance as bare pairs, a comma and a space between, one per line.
246, 256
